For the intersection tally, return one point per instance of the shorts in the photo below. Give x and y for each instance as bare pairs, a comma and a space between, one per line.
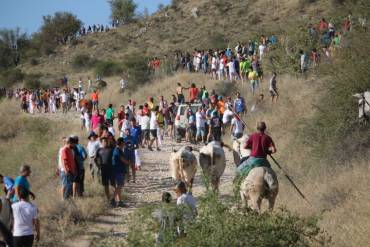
201, 131
153, 133
106, 177
274, 92
118, 179
64, 179
237, 135
146, 135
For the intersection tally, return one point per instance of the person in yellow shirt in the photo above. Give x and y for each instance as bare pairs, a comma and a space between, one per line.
253, 78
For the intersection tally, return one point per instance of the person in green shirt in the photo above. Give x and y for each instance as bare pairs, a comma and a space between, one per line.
109, 114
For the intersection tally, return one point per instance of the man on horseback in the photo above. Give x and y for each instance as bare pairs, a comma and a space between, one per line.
261, 145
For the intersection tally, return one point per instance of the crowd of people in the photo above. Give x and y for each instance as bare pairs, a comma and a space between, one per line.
19, 224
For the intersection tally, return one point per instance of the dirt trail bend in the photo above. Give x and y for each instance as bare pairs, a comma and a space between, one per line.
151, 182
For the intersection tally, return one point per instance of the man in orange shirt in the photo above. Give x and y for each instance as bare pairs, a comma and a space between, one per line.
95, 100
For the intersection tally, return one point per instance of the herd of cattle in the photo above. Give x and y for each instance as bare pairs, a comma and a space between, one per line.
260, 183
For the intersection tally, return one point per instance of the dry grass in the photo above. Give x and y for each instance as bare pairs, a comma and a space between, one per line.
35, 141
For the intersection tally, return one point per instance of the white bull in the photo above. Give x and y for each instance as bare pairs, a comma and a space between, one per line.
363, 104
213, 162
261, 182
183, 166
239, 151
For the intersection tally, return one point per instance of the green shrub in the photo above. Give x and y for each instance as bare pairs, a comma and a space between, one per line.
32, 81
83, 61
34, 61
219, 224
11, 76
135, 65
108, 68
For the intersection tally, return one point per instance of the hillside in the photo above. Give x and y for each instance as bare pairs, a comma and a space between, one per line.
175, 28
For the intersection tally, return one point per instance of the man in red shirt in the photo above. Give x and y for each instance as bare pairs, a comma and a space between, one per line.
261, 145
193, 93
69, 169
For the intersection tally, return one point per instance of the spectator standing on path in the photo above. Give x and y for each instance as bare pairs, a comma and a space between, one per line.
120, 166
273, 88
7, 186
103, 159
69, 173
200, 120
80, 157
136, 138
21, 183
215, 127
154, 129
145, 126
25, 220
92, 147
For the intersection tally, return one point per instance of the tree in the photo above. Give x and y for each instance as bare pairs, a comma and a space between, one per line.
160, 7
56, 29
122, 10
13, 43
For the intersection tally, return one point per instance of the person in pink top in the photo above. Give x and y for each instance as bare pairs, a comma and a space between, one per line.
96, 119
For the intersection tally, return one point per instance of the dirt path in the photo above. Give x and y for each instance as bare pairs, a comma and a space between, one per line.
152, 181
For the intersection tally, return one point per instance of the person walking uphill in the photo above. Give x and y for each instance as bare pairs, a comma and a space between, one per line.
261, 145
103, 159
120, 167
21, 183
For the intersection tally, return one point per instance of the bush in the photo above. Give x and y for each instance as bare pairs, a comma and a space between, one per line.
83, 61
34, 61
11, 76
108, 68
218, 224
32, 81
135, 66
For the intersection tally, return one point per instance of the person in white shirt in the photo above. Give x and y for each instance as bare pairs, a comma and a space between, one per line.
145, 127
87, 121
60, 168
154, 129
25, 220
221, 70
89, 83
232, 70
185, 200
236, 128
262, 49
92, 147
122, 85
200, 121
227, 116
64, 101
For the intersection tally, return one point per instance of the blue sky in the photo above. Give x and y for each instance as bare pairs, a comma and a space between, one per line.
27, 14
